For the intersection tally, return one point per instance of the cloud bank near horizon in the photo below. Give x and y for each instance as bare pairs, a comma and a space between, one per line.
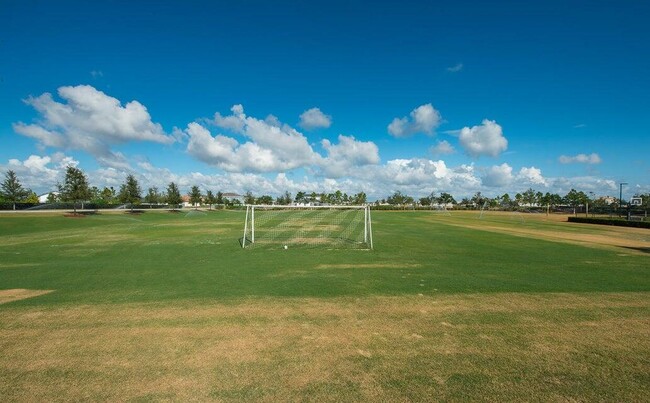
266, 156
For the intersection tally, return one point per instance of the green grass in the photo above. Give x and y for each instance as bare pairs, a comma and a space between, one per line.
445, 307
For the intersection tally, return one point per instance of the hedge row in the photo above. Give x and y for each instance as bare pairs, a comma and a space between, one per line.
611, 221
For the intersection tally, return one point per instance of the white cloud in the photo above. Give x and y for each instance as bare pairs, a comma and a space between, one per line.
417, 177
455, 69
313, 119
532, 176
91, 121
442, 148
581, 159
272, 147
348, 155
234, 122
423, 119
45, 137
486, 139
498, 176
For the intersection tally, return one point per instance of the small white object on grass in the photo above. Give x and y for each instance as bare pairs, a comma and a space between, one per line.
286, 247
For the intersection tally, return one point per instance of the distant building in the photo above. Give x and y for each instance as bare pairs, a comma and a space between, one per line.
609, 200
185, 201
230, 197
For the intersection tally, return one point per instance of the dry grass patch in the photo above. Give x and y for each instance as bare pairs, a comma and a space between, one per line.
370, 266
17, 294
634, 239
17, 265
492, 347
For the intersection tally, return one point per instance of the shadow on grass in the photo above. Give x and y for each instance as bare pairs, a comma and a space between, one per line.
643, 250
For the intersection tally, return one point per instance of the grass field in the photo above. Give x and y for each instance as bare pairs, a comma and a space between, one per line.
163, 306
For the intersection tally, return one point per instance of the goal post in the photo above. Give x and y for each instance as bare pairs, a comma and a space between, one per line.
340, 227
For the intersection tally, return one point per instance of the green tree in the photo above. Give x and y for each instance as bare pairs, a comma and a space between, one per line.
173, 196
359, 198
446, 198
210, 199
249, 198
219, 199
130, 192
337, 197
286, 199
528, 197
428, 200
506, 201
12, 190
301, 198
479, 200
108, 195
195, 196
75, 187
153, 196
265, 200
52, 198
32, 198
399, 199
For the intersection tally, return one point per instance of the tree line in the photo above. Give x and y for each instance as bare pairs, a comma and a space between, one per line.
528, 198
304, 198
75, 189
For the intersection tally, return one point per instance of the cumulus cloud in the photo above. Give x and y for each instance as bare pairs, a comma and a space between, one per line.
442, 148
486, 139
91, 121
532, 176
313, 119
234, 122
423, 119
417, 176
498, 176
502, 176
271, 146
580, 159
348, 155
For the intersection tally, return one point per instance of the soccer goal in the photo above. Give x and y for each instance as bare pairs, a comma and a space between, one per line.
337, 227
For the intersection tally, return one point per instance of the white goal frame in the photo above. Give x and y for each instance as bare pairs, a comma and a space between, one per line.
249, 224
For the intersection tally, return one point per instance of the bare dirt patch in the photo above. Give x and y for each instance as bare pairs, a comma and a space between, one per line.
16, 294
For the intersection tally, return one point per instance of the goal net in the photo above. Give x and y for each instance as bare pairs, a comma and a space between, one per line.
318, 226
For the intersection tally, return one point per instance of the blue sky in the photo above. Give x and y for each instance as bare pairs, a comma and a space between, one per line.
375, 96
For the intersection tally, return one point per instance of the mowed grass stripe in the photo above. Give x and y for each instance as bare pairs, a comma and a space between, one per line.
167, 257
